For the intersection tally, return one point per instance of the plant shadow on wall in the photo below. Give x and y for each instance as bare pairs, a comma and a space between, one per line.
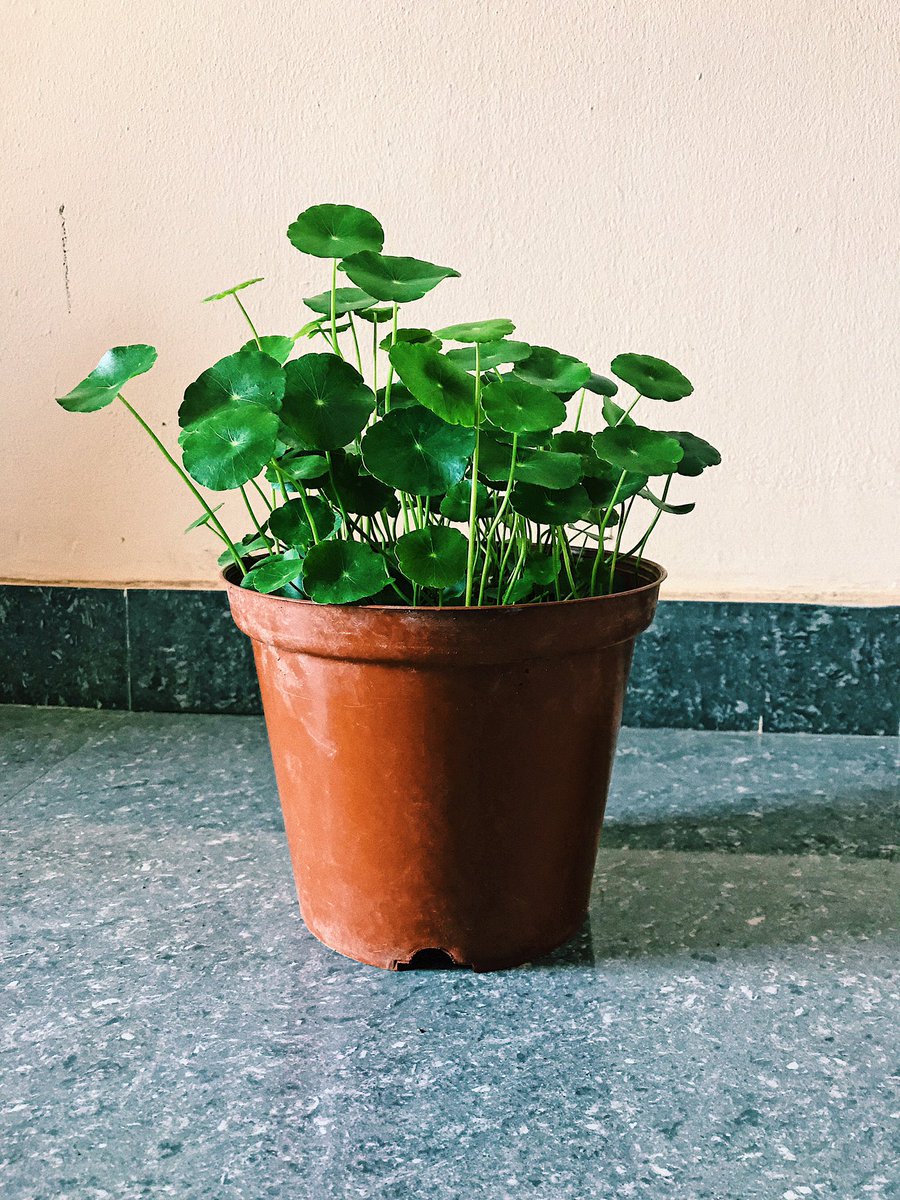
447, 479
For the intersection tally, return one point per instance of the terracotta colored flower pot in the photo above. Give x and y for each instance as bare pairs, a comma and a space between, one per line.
443, 772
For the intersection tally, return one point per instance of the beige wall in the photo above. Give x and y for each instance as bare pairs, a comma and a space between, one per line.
715, 183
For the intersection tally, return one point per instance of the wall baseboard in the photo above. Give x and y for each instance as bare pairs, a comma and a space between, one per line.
702, 665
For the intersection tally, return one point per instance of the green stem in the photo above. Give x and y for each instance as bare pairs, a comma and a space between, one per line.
498, 517
580, 407
217, 524
301, 493
627, 412
247, 319
523, 550
601, 529
507, 550
259, 528
473, 500
375, 357
337, 494
390, 378
355, 344
264, 497
334, 336
567, 561
615, 554
639, 547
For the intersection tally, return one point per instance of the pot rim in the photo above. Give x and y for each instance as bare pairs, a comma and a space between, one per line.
658, 577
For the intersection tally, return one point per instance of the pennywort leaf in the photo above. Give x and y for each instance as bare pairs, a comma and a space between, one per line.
635, 448
116, 368
397, 279
549, 369
439, 384
334, 231
230, 447
339, 572
247, 378
433, 557
651, 377
413, 450
326, 402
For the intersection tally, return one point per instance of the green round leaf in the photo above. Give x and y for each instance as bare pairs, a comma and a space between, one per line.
433, 557
678, 510
698, 454
340, 572
490, 354
231, 447
238, 287
414, 451
651, 376
297, 466
549, 369
401, 397
203, 519
416, 336
376, 316
455, 505
541, 569
551, 507
396, 279
248, 544
477, 331
347, 300
359, 492
248, 377
614, 414
550, 469
276, 345
112, 372
600, 385
635, 448
520, 407
275, 573
335, 230
326, 403
290, 524
447, 390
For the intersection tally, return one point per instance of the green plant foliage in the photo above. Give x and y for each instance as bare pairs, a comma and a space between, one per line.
549, 369
230, 447
342, 572
274, 573
116, 368
229, 292
434, 557
326, 403
351, 487
635, 448
276, 345
422, 337
335, 230
247, 378
415, 451
290, 524
550, 469
455, 506
698, 454
520, 407
613, 414
477, 331
651, 376
600, 385
489, 354
346, 300
676, 509
551, 506
398, 279
445, 482
435, 382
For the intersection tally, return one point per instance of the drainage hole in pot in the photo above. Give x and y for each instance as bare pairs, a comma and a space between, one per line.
430, 959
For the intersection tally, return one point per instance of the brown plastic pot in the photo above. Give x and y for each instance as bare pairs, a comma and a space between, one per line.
443, 772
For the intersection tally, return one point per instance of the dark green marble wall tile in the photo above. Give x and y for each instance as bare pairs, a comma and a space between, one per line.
803, 668
187, 655
63, 646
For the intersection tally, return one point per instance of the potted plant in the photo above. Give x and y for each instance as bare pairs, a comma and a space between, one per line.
438, 583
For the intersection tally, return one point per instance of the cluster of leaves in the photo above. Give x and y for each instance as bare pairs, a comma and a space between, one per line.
452, 483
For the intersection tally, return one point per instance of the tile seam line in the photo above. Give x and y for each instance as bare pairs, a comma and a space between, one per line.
128, 697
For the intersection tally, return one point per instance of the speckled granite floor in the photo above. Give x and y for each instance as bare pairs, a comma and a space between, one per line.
726, 1028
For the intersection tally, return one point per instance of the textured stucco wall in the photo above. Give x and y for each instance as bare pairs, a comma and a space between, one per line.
713, 182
